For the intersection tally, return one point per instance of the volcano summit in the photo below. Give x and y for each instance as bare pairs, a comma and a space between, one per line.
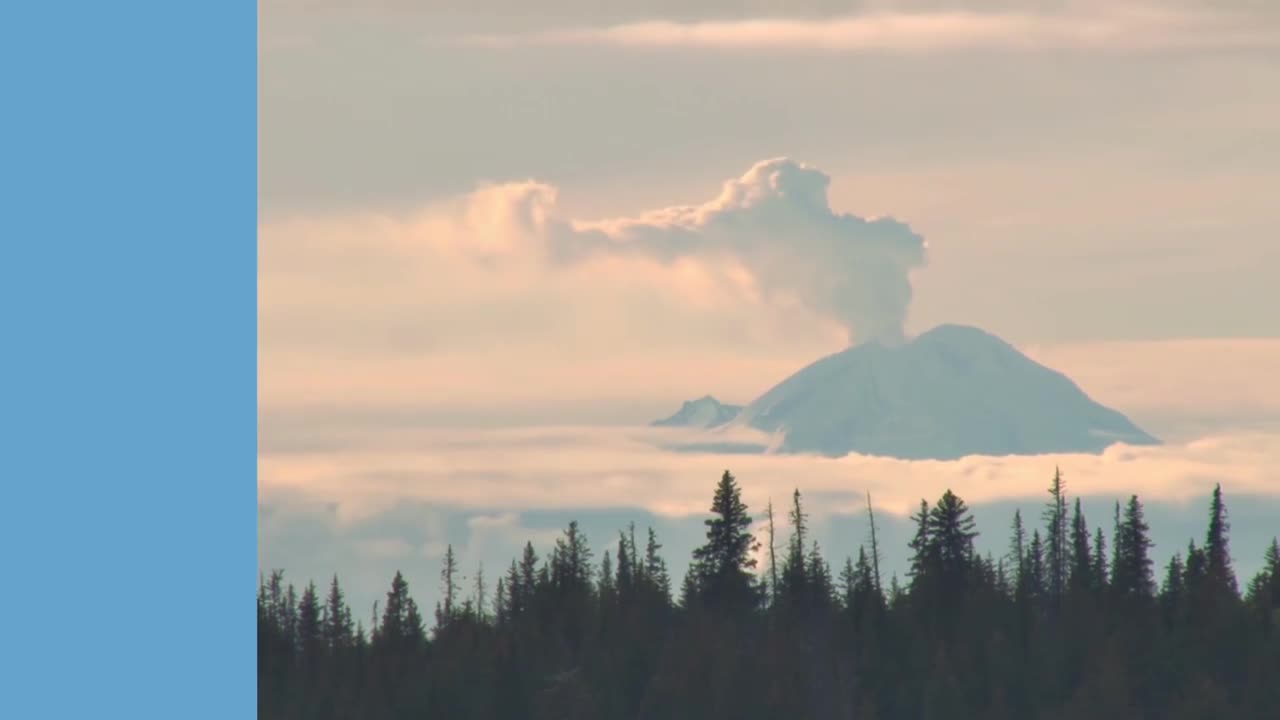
951, 392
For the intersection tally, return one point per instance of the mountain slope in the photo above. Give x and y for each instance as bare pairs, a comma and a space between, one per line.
951, 392
705, 412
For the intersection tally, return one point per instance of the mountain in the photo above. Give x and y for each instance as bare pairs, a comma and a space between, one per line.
705, 412
951, 392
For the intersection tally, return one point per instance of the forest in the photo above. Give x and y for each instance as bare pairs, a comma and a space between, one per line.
1072, 623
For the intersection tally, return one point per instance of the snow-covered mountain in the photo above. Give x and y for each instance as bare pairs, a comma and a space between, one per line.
951, 392
705, 412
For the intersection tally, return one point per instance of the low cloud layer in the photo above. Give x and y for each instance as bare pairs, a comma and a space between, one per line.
374, 500
364, 471
1095, 26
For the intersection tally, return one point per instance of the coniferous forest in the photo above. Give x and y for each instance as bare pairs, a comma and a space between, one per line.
1073, 622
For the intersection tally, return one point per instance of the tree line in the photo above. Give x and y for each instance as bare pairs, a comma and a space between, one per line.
1070, 623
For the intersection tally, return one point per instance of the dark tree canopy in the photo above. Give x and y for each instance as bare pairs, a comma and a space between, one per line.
970, 637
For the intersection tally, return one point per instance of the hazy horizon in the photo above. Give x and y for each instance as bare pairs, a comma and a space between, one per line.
496, 243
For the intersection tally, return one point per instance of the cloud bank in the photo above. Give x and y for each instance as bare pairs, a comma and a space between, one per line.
1081, 26
364, 471
367, 501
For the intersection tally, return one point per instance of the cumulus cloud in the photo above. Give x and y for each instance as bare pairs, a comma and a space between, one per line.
1081, 25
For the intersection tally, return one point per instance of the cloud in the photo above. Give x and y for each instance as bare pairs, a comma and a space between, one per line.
487, 492
376, 309
548, 468
776, 222
1083, 26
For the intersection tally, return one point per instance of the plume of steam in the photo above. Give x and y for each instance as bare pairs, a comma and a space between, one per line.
775, 219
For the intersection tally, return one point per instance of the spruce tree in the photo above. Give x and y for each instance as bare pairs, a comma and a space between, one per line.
626, 575
1217, 547
724, 564
1056, 548
515, 591
795, 573
1099, 569
1018, 554
501, 605
656, 568
920, 545
875, 544
950, 534
401, 627
607, 586
1131, 575
448, 588
529, 575
338, 631
1081, 577
773, 556
481, 595
310, 630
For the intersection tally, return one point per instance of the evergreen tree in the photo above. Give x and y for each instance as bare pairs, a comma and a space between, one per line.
1131, 571
724, 564
516, 593
1018, 553
656, 568
1264, 590
626, 580
773, 556
501, 604
795, 573
310, 631
338, 631
1099, 570
571, 560
1217, 547
1056, 548
1081, 578
1173, 591
951, 532
528, 575
955, 645
920, 545
608, 587
875, 544
1036, 580
481, 595
401, 628
448, 588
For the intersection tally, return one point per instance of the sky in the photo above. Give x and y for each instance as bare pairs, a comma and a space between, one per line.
496, 241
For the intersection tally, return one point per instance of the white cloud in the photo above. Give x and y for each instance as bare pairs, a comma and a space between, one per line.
566, 468
1083, 26
496, 297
